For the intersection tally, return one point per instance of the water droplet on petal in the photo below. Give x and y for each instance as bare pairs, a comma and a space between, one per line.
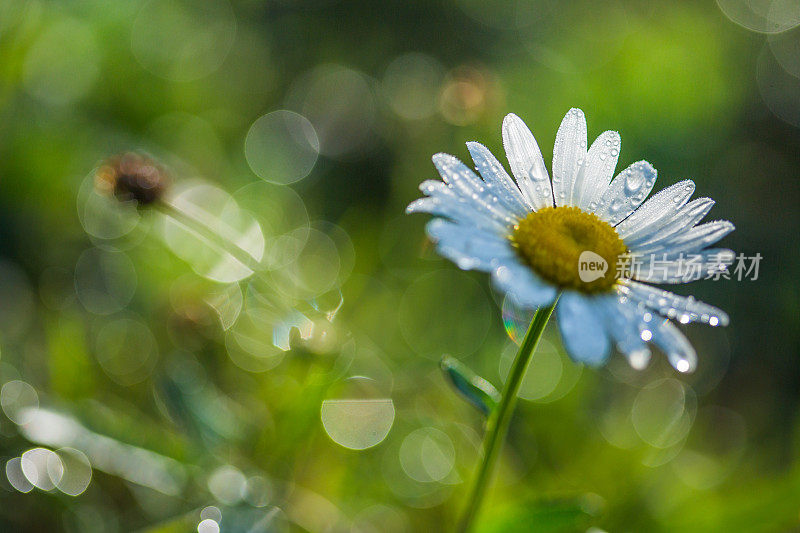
634, 182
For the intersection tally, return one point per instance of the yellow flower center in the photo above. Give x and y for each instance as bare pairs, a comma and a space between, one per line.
570, 248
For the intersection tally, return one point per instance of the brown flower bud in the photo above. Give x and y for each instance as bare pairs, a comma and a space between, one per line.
132, 176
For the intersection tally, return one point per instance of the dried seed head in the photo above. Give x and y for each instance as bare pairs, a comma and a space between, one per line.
132, 176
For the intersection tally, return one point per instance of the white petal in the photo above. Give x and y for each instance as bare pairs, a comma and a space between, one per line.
467, 247
497, 179
457, 210
690, 241
659, 208
468, 188
622, 322
682, 308
596, 172
689, 215
626, 192
679, 350
519, 280
582, 330
682, 268
527, 163
462, 180
569, 152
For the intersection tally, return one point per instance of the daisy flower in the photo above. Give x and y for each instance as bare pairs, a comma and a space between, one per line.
574, 238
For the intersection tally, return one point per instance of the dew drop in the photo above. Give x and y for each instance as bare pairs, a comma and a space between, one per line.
639, 358
634, 182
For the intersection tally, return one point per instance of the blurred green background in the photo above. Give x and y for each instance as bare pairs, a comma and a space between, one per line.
150, 381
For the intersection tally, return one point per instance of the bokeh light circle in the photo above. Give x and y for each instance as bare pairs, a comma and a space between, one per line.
183, 41
34, 464
281, 147
105, 281
315, 270
208, 526
250, 342
283, 217
126, 350
227, 483
779, 89
411, 85
786, 49
663, 412
543, 374
70, 471
359, 416
765, 16
427, 455
211, 512
206, 228
103, 216
16, 477
19, 401
340, 103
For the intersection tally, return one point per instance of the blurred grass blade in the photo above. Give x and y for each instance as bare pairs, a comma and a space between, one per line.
478, 391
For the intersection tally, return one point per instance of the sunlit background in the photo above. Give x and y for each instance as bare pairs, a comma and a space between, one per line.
260, 351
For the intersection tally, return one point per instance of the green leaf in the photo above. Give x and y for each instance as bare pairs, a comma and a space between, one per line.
478, 391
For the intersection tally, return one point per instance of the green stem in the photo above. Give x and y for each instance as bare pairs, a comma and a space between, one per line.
208, 234
214, 239
497, 425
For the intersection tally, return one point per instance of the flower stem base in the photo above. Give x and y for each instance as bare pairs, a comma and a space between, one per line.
499, 419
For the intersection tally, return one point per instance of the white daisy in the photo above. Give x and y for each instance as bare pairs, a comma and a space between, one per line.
530, 234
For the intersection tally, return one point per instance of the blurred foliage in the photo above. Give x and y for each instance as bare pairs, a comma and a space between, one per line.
261, 352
